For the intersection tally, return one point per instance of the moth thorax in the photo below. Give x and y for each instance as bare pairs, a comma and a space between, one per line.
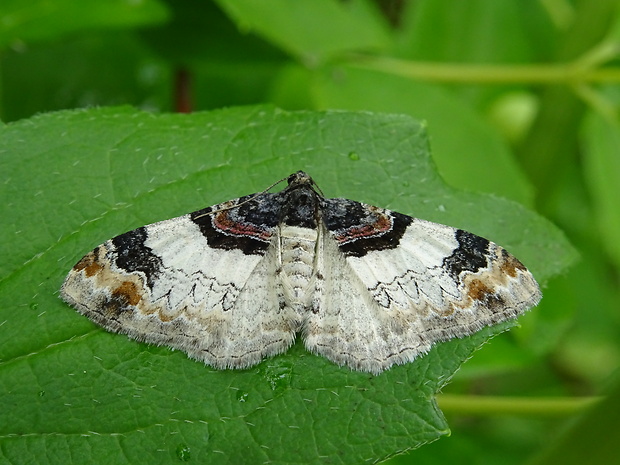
297, 259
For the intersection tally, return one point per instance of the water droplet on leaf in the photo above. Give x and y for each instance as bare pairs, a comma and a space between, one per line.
183, 452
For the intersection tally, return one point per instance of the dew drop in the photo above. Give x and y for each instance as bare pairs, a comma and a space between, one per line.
278, 377
183, 452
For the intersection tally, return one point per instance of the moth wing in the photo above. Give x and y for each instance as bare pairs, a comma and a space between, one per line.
192, 284
390, 293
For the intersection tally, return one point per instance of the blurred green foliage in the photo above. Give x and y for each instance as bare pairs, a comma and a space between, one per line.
520, 99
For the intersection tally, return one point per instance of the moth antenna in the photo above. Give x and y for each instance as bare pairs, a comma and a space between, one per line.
245, 201
316, 186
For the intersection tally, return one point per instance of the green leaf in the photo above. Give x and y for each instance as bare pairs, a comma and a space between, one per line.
468, 152
199, 34
602, 169
313, 30
592, 438
37, 20
478, 31
73, 393
106, 68
226, 67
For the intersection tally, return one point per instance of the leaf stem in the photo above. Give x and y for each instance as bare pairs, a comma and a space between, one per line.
558, 73
523, 406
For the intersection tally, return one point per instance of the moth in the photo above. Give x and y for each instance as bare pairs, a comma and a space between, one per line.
235, 283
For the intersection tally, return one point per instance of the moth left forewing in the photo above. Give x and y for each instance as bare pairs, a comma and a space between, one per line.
203, 283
